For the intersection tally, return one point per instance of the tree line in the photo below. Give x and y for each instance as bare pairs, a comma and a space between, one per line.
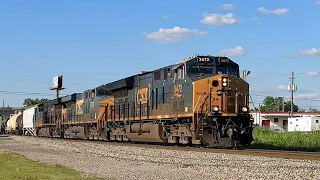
31, 102
277, 104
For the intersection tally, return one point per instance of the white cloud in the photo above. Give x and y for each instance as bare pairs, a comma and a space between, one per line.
219, 19
306, 96
310, 52
237, 51
313, 52
280, 12
282, 88
318, 2
313, 73
228, 6
174, 35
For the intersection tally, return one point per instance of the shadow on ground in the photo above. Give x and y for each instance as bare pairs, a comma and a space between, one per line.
5, 137
288, 148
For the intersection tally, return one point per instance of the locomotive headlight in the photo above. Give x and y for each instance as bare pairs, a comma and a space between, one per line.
224, 82
244, 109
215, 108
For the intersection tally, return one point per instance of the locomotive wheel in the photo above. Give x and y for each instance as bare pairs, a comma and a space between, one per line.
212, 138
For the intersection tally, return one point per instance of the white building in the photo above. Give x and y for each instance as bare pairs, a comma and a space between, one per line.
304, 124
277, 121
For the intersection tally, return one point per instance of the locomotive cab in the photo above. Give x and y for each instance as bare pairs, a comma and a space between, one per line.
220, 101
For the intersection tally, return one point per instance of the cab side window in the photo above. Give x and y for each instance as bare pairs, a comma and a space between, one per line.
179, 73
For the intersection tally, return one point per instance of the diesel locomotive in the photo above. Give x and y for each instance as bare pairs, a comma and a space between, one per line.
199, 101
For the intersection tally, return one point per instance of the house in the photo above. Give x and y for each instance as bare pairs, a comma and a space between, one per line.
277, 121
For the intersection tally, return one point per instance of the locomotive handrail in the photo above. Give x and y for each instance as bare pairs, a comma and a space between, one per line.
199, 121
196, 108
197, 103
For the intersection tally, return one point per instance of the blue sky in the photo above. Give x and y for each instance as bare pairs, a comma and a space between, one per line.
94, 42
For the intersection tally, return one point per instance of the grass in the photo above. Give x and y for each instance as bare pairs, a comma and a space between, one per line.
296, 141
14, 166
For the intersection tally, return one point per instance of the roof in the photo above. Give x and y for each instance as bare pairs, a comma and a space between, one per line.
119, 84
284, 113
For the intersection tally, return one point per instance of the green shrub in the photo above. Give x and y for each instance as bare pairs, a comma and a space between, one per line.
268, 139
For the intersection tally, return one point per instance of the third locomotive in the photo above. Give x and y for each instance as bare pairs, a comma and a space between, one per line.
201, 100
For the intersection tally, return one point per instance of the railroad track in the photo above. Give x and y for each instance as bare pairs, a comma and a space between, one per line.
252, 152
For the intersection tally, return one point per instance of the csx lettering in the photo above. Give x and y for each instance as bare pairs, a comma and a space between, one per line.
204, 59
178, 88
142, 95
79, 109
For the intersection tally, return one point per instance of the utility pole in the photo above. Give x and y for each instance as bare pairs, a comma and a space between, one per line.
259, 115
292, 87
278, 103
283, 103
2, 109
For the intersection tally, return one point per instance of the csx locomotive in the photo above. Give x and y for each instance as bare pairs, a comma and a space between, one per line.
201, 101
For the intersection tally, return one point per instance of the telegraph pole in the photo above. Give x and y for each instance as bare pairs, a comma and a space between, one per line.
2, 109
292, 87
283, 103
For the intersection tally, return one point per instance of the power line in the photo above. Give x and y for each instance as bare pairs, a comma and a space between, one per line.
25, 93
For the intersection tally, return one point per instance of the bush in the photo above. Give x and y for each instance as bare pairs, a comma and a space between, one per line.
268, 139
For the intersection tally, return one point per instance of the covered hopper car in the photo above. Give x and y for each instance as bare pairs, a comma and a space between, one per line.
201, 100
15, 124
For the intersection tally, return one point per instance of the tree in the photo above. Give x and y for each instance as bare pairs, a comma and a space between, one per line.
274, 104
31, 102
287, 107
313, 110
302, 110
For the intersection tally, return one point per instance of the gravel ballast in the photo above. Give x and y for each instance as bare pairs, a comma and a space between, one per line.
128, 162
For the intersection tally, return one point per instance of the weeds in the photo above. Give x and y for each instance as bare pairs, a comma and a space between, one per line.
299, 141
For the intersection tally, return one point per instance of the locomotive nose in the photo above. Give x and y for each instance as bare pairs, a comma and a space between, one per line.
228, 95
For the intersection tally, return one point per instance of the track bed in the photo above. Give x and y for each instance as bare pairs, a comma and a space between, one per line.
137, 161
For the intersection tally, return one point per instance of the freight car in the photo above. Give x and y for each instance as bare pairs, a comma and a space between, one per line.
29, 121
14, 124
201, 100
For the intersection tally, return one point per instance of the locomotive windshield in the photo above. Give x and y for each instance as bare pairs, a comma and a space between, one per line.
232, 71
198, 69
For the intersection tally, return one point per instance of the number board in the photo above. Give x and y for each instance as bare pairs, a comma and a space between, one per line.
225, 60
204, 60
